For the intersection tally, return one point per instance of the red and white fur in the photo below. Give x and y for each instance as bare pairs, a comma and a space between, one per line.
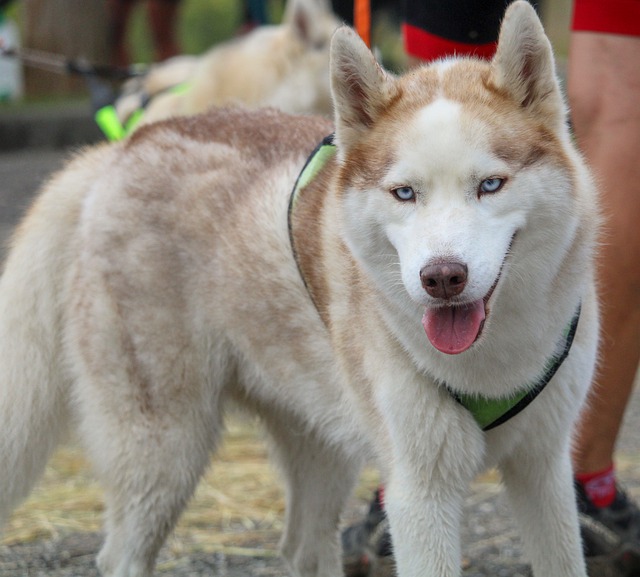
153, 281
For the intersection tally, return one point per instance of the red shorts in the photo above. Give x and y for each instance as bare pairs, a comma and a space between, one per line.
610, 16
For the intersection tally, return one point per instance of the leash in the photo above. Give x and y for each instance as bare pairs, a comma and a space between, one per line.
61, 65
97, 78
489, 413
102, 95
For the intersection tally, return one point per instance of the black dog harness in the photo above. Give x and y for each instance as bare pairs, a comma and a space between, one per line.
490, 413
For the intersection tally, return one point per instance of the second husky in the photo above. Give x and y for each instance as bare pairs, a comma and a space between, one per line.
285, 66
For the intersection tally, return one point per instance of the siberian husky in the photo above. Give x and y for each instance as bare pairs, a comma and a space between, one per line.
285, 66
433, 269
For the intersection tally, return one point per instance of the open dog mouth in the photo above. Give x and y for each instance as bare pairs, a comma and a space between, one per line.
455, 328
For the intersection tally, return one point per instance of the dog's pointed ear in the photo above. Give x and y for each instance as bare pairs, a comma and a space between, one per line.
359, 85
305, 17
524, 65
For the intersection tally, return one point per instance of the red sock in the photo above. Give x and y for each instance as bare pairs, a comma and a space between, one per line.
600, 486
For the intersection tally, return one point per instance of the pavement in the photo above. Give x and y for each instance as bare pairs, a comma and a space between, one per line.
34, 143
53, 126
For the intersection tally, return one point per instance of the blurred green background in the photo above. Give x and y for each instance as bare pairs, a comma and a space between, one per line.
203, 23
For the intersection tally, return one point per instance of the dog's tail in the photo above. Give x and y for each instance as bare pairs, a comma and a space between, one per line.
34, 383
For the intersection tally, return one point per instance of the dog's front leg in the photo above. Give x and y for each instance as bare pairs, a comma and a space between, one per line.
540, 489
437, 452
425, 530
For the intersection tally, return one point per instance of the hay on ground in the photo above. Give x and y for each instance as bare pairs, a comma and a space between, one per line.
238, 507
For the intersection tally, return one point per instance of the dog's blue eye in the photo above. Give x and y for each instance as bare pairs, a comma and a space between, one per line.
491, 185
404, 193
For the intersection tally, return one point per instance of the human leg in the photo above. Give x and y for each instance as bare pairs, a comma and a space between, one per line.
119, 12
604, 92
163, 16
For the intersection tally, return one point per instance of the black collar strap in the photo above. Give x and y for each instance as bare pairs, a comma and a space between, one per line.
488, 413
316, 161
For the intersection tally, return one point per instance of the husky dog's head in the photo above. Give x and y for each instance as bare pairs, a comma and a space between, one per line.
450, 170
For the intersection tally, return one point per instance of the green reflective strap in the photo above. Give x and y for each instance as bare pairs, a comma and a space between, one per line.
487, 411
133, 121
180, 88
314, 164
320, 158
107, 119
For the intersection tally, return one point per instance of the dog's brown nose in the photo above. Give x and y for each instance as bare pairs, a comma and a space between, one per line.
444, 280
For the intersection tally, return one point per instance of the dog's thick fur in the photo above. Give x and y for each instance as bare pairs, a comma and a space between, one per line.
285, 66
153, 281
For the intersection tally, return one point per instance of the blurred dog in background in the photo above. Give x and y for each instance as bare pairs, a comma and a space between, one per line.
285, 66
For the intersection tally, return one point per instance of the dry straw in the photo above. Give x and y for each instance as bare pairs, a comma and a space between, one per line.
238, 507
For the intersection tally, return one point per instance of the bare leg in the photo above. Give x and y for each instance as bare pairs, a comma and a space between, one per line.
604, 91
163, 20
119, 12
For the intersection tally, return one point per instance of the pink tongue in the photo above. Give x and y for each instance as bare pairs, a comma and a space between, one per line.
453, 330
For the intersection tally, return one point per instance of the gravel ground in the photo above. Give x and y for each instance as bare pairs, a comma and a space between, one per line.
491, 548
